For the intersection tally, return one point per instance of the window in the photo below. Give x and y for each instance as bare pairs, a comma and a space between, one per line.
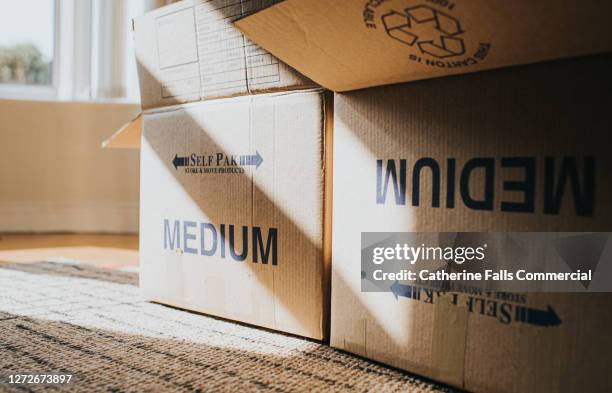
27, 42
69, 49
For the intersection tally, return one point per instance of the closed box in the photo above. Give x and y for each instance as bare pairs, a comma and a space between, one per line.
233, 218
447, 155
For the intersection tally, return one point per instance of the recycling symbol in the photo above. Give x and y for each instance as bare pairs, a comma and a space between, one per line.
435, 33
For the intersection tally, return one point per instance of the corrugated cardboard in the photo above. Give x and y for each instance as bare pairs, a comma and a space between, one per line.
352, 44
252, 170
556, 113
127, 137
190, 51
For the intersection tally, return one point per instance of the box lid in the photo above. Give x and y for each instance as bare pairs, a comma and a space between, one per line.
189, 51
352, 44
127, 137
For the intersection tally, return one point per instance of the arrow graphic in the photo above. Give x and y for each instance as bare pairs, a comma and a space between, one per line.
532, 316
253, 159
537, 317
179, 161
404, 291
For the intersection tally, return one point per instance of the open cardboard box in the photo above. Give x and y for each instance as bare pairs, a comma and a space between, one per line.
235, 187
235, 208
402, 163
353, 44
547, 109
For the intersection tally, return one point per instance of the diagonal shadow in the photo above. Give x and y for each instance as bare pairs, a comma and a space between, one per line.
497, 112
369, 327
301, 302
111, 360
462, 104
71, 270
239, 200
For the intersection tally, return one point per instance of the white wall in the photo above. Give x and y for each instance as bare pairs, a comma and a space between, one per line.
55, 177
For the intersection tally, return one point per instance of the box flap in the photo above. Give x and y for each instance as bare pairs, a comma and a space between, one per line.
127, 137
352, 44
189, 51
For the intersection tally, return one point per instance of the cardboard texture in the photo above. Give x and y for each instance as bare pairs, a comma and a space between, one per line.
553, 115
233, 220
189, 51
127, 137
352, 44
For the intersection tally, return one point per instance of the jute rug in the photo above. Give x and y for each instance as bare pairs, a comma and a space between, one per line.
92, 323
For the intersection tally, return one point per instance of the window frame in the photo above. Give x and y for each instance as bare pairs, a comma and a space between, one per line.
76, 65
40, 92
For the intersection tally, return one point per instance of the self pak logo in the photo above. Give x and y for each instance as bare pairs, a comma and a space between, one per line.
216, 163
506, 308
432, 35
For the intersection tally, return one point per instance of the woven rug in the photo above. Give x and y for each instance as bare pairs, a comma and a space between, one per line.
92, 323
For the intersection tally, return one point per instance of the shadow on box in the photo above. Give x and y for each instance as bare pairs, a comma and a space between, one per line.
549, 109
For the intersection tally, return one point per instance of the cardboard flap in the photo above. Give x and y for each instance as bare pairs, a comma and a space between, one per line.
189, 51
127, 137
352, 44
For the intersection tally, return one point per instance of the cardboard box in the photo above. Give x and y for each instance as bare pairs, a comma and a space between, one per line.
126, 137
554, 116
190, 51
235, 208
352, 44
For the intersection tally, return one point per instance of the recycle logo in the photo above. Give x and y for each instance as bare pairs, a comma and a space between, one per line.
435, 33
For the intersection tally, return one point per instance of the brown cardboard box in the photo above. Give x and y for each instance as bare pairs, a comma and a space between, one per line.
126, 137
233, 219
352, 44
555, 115
189, 51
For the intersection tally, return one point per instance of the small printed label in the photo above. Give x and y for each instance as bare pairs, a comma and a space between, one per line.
216, 163
430, 30
176, 39
504, 307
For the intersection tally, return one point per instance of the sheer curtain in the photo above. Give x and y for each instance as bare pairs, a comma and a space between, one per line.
97, 56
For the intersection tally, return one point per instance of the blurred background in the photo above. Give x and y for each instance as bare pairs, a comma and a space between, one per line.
67, 81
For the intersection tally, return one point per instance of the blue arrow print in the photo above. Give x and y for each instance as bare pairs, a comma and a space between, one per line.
404, 291
179, 161
253, 159
533, 316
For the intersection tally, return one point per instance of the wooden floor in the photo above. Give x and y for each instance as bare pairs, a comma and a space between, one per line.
103, 250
